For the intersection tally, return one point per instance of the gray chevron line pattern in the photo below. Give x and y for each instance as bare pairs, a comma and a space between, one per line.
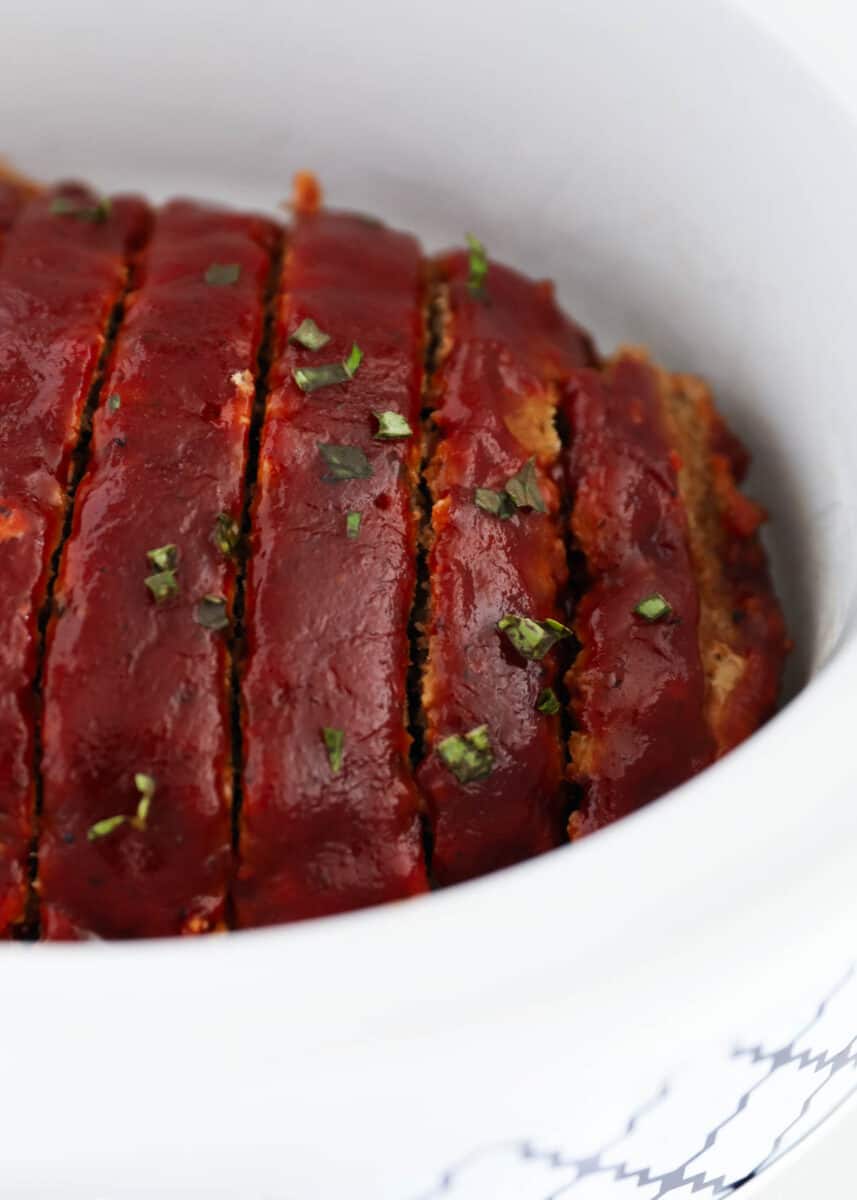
608, 1162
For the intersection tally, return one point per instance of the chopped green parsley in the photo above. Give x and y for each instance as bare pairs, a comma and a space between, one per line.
532, 639
344, 462
211, 613
468, 756
226, 534
653, 608
309, 335
478, 265
392, 426
334, 742
310, 379
547, 702
163, 585
521, 491
146, 788
164, 558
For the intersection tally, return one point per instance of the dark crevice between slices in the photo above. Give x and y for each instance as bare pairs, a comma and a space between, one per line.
434, 327
578, 583
236, 645
79, 461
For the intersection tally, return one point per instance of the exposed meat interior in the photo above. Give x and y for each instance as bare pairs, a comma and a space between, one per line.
742, 634
62, 270
12, 199
493, 778
330, 815
136, 836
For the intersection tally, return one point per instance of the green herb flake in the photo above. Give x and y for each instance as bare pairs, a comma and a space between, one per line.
478, 264
334, 741
223, 274
355, 358
392, 426
497, 503
532, 639
344, 462
521, 491
309, 335
211, 613
65, 206
163, 585
653, 608
145, 786
226, 534
352, 525
164, 558
547, 702
103, 828
310, 379
469, 756
523, 488
115, 402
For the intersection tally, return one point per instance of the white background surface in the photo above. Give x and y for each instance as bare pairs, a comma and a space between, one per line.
823, 33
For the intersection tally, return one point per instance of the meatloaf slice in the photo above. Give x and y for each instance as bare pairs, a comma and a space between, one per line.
330, 818
137, 767
681, 639
493, 776
63, 267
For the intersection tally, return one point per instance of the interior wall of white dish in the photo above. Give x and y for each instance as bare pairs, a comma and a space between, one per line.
821, 33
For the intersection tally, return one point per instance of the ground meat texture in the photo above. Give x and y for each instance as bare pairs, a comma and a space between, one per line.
60, 277
333, 825
504, 348
136, 688
637, 686
742, 636
12, 199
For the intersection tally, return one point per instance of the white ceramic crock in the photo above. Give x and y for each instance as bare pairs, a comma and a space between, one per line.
670, 1004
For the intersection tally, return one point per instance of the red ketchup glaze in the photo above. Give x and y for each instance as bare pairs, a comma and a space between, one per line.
502, 357
132, 685
637, 688
327, 615
60, 277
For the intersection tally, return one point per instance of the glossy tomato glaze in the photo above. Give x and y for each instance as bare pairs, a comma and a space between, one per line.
60, 277
327, 615
132, 685
637, 688
502, 354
